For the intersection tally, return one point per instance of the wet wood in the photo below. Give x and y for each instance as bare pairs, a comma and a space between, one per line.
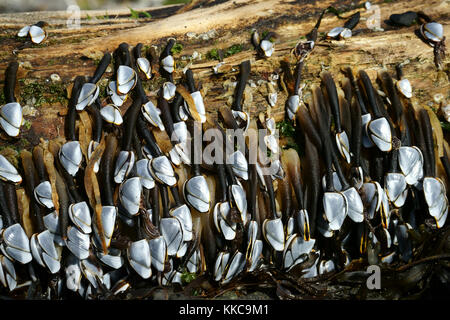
71, 52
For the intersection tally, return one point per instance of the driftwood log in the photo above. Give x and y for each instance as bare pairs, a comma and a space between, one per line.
201, 27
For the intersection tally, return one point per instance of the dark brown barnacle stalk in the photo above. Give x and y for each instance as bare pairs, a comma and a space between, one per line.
142, 63
334, 203
177, 153
126, 77
159, 166
389, 88
171, 228
342, 141
94, 110
345, 31
31, 182
299, 243
148, 109
265, 46
36, 32
195, 189
242, 117
311, 176
105, 209
254, 243
157, 243
166, 60
432, 33
295, 99
433, 188
272, 227
11, 116
222, 210
365, 115
42, 245
379, 130
356, 143
196, 107
126, 157
43, 191
238, 158
70, 153
63, 195
15, 243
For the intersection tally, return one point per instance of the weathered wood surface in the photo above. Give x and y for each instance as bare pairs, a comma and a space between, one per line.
72, 52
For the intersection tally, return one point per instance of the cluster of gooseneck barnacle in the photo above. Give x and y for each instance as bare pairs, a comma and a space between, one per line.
102, 216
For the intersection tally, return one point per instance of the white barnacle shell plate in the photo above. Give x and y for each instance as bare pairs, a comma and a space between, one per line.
113, 259
8, 275
435, 196
108, 216
51, 222
71, 156
220, 217
11, 118
8, 172
335, 32
336, 182
199, 105
73, 273
240, 200
396, 188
